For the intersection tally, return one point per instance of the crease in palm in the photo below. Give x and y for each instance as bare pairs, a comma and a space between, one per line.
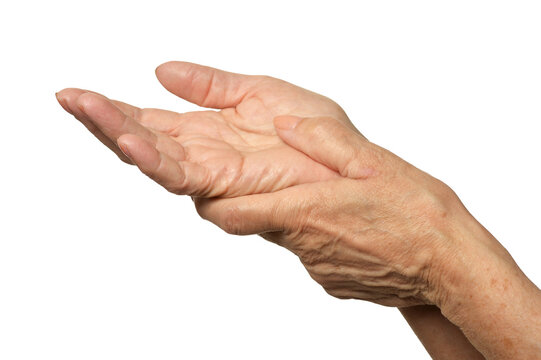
230, 152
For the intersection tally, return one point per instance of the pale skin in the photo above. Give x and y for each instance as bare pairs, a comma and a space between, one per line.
283, 162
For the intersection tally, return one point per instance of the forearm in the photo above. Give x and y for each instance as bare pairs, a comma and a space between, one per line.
441, 339
486, 294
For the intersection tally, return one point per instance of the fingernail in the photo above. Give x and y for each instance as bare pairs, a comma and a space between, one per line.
62, 103
124, 150
286, 122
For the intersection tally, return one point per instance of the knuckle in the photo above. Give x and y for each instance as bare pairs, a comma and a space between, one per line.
147, 116
231, 221
437, 202
177, 187
166, 183
363, 160
264, 80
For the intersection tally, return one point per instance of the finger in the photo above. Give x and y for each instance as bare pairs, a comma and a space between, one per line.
329, 142
70, 95
156, 119
115, 123
181, 178
67, 99
205, 86
254, 214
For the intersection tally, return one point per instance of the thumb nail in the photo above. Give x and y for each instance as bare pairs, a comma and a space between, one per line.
286, 122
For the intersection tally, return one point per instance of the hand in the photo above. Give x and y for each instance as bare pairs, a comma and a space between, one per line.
231, 152
375, 234
373, 227
391, 234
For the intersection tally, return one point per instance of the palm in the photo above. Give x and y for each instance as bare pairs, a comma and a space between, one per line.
231, 152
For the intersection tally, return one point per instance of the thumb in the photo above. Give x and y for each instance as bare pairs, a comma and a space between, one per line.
330, 142
203, 85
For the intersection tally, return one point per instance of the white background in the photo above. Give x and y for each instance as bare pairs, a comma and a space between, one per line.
98, 262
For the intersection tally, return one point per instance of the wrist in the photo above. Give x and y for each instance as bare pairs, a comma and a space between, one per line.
483, 291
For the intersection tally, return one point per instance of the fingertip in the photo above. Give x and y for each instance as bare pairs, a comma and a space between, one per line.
165, 64
158, 70
63, 93
67, 98
171, 71
164, 69
62, 101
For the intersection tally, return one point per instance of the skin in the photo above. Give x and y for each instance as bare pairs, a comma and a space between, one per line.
230, 152
389, 233
392, 223
365, 223
441, 338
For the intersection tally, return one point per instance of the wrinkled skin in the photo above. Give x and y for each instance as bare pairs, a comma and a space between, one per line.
230, 152
374, 234
237, 153
365, 223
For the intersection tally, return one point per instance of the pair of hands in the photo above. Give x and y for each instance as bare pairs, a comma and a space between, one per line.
287, 164
283, 162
